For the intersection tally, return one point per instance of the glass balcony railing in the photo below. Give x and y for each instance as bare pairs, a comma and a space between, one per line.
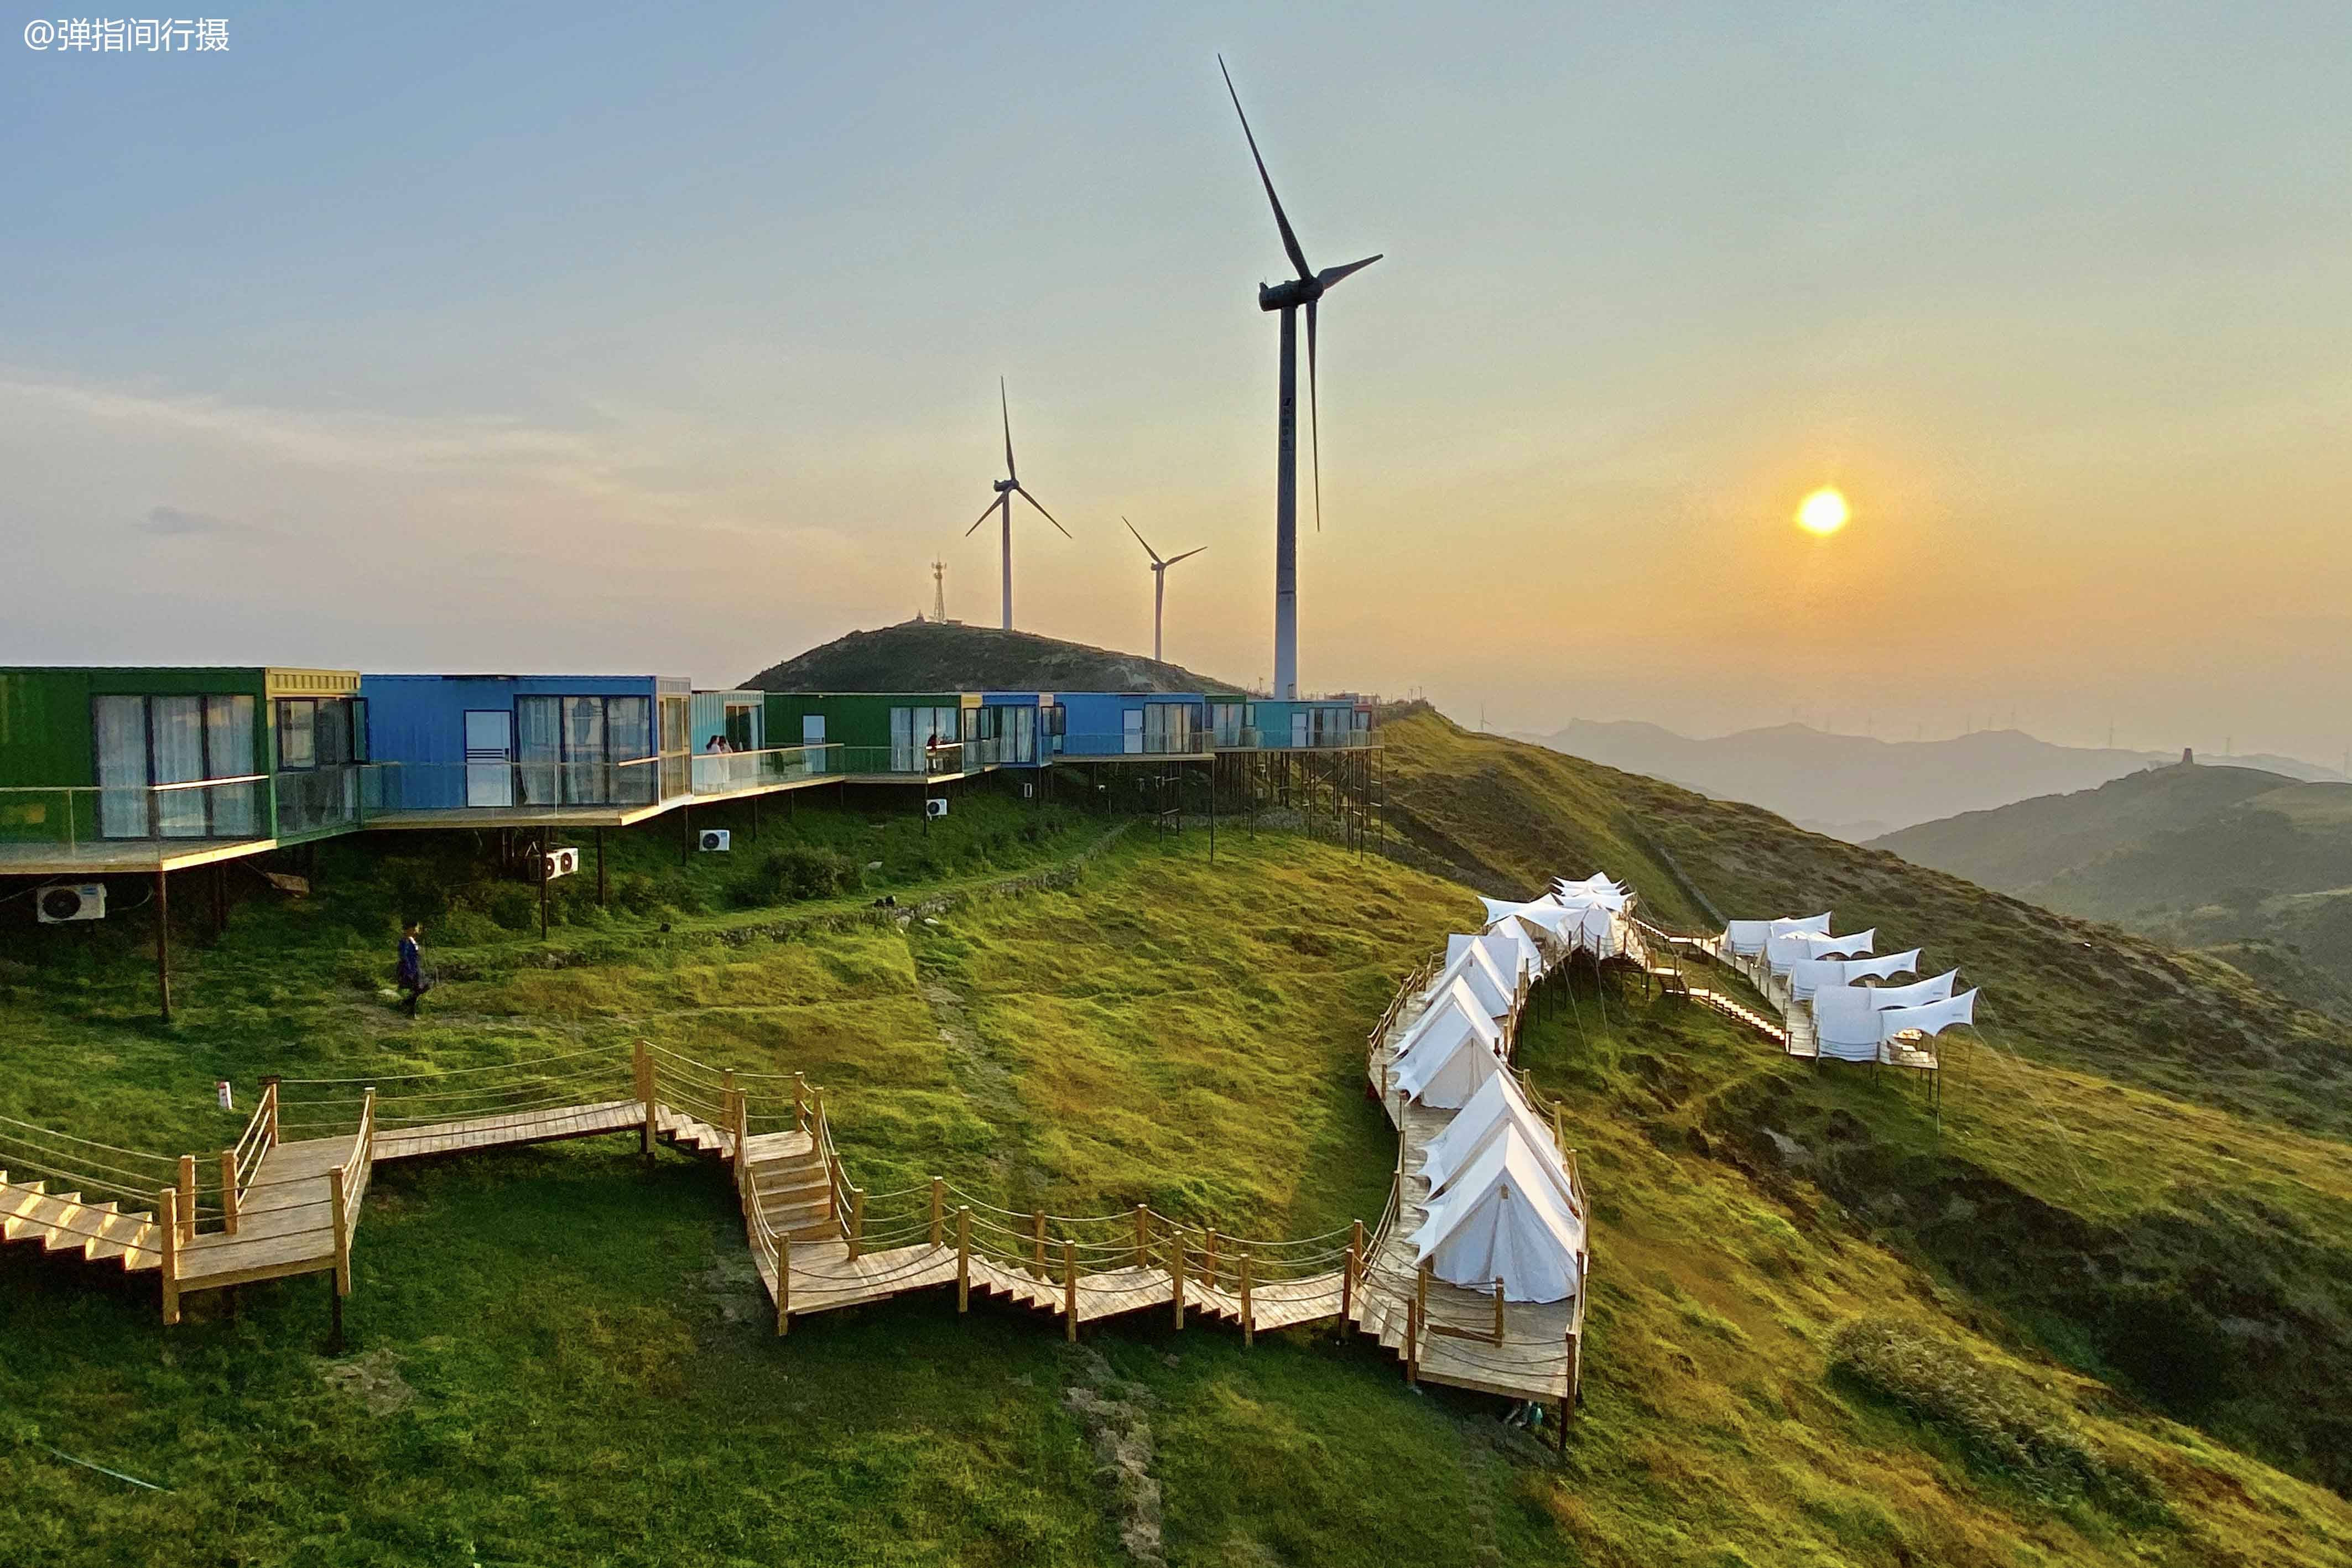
295, 804
717, 774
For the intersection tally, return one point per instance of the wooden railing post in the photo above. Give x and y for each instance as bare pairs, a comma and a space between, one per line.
1498, 1308
1142, 1237
647, 1092
343, 1232
1348, 1274
742, 1130
963, 1258
857, 1221
1249, 1318
1037, 1242
727, 1105
939, 1198
1421, 1288
1209, 1261
1176, 1272
167, 1232
228, 1191
1070, 1288
800, 1103
1567, 1400
269, 1105
1412, 1342
783, 1283
187, 1205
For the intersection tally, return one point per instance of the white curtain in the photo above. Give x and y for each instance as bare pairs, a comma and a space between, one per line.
122, 768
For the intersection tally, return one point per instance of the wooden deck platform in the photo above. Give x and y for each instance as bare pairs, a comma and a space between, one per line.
509, 1131
124, 857
286, 1224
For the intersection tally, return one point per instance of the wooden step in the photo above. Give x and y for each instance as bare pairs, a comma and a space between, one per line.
75, 1228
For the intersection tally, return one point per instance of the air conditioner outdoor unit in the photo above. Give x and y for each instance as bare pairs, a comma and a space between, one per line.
61, 902
559, 863
937, 806
716, 840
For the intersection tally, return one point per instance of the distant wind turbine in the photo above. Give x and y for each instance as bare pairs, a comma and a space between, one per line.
1287, 296
1159, 581
1006, 489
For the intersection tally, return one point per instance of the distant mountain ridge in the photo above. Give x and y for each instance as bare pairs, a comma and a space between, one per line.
947, 656
2247, 866
1856, 788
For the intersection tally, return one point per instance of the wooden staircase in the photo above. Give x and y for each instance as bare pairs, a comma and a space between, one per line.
63, 1222
787, 1181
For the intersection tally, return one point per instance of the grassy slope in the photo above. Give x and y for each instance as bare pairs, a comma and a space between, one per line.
930, 656
574, 1361
2146, 1167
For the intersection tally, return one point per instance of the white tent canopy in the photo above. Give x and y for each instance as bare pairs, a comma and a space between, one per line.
1747, 938
1475, 968
1932, 1018
1445, 1068
1598, 882
1915, 995
1846, 1025
1781, 952
1508, 951
1503, 1218
1807, 976
1496, 908
1453, 1013
1785, 925
1497, 1105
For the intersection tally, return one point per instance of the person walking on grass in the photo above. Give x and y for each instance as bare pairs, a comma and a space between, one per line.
412, 967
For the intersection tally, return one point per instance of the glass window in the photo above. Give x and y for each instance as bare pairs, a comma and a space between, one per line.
539, 746
628, 723
583, 751
177, 726
228, 754
333, 732
122, 724
360, 746
298, 733
674, 722
738, 726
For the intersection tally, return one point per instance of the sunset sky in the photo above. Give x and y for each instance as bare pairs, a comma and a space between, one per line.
563, 337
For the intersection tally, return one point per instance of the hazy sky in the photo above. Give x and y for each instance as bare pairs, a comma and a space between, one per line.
566, 337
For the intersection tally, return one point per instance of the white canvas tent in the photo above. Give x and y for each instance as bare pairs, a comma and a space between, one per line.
1495, 1112
1745, 938
1511, 952
1443, 1069
1917, 994
1453, 1013
1598, 882
1786, 926
1503, 1218
1846, 1025
1475, 968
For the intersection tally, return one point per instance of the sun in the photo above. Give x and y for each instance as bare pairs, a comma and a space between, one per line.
1825, 512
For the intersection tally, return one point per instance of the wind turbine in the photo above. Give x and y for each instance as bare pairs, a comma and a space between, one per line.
1287, 296
1006, 489
1159, 581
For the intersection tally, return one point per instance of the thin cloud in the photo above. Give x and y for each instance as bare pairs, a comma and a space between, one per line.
173, 522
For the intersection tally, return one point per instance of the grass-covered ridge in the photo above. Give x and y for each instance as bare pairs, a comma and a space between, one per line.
562, 1357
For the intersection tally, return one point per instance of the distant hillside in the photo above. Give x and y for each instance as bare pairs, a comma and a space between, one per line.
2191, 1245
2242, 864
942, 656
1856, 788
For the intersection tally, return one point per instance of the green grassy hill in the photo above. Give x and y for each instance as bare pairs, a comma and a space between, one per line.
947, 656
2098, 1316
2242, 865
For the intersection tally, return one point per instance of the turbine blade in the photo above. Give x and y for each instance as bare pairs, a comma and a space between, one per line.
1188, 555
1145, 543
1289, 240
1331, 275
1006, 408
1042, 512
1314, 418
982, 518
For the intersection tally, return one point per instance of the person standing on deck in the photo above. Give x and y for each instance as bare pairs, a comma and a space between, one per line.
412, 967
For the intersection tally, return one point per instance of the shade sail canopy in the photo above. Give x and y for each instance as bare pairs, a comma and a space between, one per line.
1503, 1218
1932, 1018
1879, 968
1916, 995
1784, 926
1598, 882
1746, 937
1496, 908
1783, 951
1807, 976
1846, 1025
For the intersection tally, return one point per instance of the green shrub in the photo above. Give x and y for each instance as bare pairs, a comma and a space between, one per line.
635, 893
795, 873
2004, 1425
513, 907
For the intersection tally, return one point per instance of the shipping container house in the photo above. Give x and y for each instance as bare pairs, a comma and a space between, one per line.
127, 766
1129, 724
596, 750
883, 735
1015, 728
1317, 724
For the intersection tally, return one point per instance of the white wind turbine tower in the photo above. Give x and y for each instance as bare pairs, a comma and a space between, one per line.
1159, 582
1287, 296
1006, 489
